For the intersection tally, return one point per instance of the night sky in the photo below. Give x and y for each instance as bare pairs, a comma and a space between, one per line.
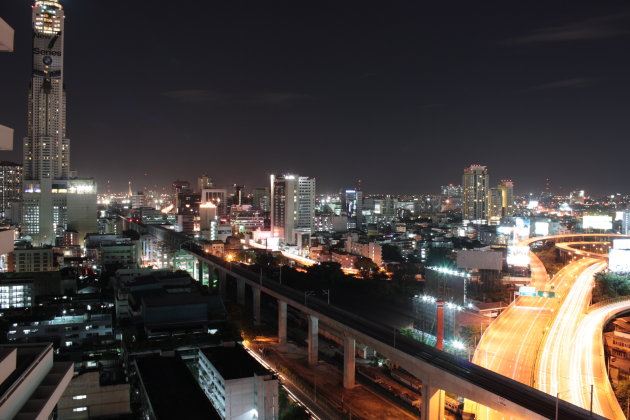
402, 94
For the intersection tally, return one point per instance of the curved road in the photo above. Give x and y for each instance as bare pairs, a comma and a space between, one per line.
588, 362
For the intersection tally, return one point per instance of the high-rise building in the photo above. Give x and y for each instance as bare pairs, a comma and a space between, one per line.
238, 195
475, 193
52, 200
204, 183
353, 207
495, 205
507, 191
216, 196
10, 187
292, 207
261, 199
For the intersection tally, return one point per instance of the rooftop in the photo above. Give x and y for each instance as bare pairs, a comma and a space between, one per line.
168, 380
233, 362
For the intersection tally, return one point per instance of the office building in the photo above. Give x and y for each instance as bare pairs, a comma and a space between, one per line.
216, 196
10, 189
237, 385
167, 390
475, 193
32, 382
495, 205
52, 200
261, 199
100, 393
138, 200
204, 183
292, 207
507, 193
31, 260
238, 195
353, 207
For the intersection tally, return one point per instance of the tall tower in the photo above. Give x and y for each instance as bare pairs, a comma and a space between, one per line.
52, 201
507, 190
475, 190
46, 148
292, 207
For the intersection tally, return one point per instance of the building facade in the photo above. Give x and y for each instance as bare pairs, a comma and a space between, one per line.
236, 385
475, 193
10, 189
53, 199
292, 207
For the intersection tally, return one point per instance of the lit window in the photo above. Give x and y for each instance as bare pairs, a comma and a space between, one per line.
79, 409
79, 397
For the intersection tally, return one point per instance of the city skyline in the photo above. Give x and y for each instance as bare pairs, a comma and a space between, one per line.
399, 79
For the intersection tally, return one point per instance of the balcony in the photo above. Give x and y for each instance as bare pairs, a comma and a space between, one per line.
6, 37
6, 137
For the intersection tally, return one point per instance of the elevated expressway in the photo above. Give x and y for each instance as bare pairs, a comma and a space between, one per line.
587, 363
512, 344
437, 370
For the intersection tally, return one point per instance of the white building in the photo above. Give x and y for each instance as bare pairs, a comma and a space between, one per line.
53, 201
292, 207
238, 387
32, 382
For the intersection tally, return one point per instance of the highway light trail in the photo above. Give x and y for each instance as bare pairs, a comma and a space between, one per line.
588, 363
553, 360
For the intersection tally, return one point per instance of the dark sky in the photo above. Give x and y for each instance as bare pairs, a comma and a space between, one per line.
401, 94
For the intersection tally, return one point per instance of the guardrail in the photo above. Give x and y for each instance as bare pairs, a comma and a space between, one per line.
607, 302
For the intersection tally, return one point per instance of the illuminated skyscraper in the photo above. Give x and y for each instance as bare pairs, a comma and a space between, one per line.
52, 200
507, 191
475, 190
292, 207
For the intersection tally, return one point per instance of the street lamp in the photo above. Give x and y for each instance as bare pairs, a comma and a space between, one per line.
308, 293
567, 390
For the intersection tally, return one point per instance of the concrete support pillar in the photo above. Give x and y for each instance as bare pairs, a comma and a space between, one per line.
432, 402
201, 269
222, 283
240, 291
256, 299
282, 322
349, 353
313, 339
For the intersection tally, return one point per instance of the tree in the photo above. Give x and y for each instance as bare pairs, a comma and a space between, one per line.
391, 253
366, 266
266, 259
325, 274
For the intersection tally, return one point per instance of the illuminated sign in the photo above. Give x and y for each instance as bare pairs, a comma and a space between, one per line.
621, 243
521, 230
597, 222
527, 291
518, 255
532, 205
541, 228
619, 260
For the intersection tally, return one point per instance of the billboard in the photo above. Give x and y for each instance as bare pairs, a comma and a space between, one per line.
518, 255
619, 260
480, 260
621, 243
527, 291
521, 229
597, 222
541, 228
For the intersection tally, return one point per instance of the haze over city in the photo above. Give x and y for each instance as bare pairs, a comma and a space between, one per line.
402, 96
327, 211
